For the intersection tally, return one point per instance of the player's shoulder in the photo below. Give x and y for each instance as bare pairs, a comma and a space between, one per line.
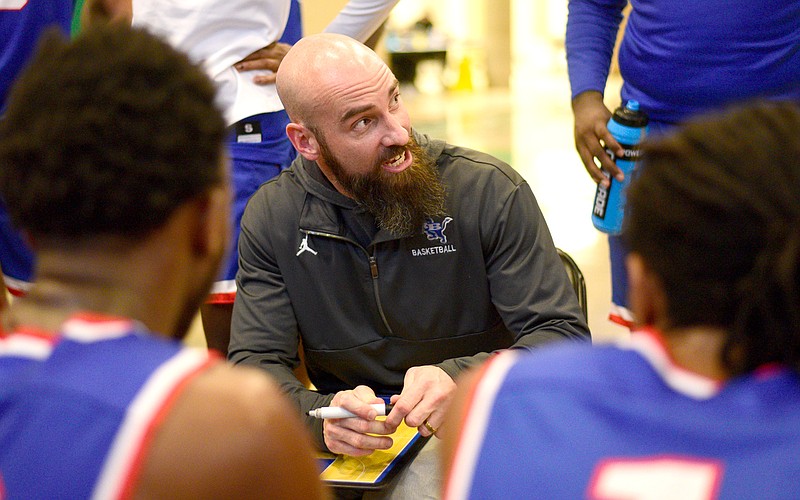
571, 363
244, 395
228, 434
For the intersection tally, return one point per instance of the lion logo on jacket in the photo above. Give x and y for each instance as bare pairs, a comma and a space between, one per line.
435, 230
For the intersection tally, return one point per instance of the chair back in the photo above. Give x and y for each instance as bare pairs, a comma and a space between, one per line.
577, 280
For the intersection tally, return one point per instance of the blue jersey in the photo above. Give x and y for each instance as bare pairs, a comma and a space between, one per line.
21, 24
683, 57
77, 410
624, 422
294, 25
680, 58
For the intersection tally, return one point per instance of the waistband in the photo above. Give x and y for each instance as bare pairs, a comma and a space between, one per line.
263, 127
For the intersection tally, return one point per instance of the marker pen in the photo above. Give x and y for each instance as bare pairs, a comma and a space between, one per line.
339, 412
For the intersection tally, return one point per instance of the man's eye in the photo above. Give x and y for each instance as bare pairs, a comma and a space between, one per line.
360, 124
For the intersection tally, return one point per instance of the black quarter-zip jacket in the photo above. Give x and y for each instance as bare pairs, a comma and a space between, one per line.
484, 277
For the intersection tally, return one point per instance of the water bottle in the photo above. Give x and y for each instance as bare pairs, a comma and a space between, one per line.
628, 125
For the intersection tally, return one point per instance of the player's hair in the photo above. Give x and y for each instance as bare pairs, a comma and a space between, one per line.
107, 135
715, 213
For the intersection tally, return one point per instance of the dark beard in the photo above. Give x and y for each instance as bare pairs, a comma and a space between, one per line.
400, 202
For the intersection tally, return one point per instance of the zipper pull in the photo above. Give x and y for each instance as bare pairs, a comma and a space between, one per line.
373, 267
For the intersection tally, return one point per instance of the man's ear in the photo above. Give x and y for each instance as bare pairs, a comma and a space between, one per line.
303, 141
645, 293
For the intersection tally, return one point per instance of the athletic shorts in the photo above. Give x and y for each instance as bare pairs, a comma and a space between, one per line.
259, 150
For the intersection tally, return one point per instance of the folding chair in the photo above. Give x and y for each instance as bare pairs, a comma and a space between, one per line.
577, 280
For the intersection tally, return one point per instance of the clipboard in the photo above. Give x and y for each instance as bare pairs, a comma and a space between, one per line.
373, 471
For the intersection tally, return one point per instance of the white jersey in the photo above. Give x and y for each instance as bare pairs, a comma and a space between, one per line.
218, 34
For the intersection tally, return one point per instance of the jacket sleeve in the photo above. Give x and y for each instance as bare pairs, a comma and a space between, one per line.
592, 27
264, 332
528, 283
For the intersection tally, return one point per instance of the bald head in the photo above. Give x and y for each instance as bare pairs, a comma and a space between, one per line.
318, 65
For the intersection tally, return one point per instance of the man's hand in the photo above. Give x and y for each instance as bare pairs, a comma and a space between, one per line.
591, 127
350, 436
267, 58
427, 391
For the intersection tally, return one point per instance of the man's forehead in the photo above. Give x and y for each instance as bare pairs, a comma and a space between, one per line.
344, 89
357, 105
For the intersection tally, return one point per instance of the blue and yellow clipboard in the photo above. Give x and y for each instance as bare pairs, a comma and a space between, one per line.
375, 470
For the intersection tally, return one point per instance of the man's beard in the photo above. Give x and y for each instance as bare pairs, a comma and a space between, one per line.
400, 202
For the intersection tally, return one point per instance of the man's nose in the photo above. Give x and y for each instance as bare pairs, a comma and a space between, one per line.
396, 131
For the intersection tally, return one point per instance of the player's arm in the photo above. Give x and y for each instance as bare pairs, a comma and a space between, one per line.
231, 434
265, 58
465, 424
451, 429
359, 19
590, 37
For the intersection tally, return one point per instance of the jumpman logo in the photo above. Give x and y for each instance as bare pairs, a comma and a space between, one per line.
305, 248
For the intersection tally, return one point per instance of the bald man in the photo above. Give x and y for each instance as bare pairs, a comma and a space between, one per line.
396, 259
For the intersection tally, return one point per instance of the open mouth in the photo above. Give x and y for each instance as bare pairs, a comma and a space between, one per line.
398, 163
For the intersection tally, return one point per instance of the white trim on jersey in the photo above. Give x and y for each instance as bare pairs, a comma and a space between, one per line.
87, 329
20, 345
142, 412
679, 379
478, 411
12, 4
227, 286
621, 315
16, 285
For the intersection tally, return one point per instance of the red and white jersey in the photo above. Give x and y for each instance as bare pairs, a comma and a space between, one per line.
78, 410
573, 421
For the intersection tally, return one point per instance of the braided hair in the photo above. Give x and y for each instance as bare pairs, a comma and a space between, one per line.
715, 214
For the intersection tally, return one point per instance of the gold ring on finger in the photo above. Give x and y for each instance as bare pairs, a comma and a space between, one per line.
429, 426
